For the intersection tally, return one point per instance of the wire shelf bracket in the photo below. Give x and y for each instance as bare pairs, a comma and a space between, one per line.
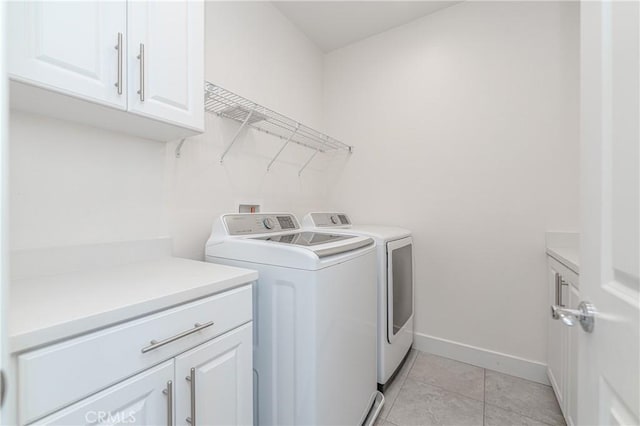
235, 137
179, 147
224, 103
308, 161
275, 157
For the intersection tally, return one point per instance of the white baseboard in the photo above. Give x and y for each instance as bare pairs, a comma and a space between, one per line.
508, 364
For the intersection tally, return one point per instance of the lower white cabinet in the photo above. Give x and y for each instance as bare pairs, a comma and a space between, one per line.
140, 400
562, 341
214, 382
168, 368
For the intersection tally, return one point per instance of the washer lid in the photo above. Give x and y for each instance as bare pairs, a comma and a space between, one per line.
320, 243
306, 238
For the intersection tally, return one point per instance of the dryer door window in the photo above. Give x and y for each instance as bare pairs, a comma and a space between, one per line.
399, 285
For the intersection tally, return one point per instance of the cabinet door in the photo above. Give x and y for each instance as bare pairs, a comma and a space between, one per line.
69, 47
556, 341
166, 61
140, 400
216, 380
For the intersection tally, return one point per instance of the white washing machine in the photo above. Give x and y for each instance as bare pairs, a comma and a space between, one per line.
315, 318
394, 248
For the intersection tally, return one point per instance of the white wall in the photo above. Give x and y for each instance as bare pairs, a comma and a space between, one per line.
465, 126
74, 184
253, 50
466, 131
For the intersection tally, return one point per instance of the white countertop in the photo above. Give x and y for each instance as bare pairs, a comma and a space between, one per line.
568, 256
48, 308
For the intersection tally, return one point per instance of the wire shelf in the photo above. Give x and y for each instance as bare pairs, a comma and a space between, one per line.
229, 105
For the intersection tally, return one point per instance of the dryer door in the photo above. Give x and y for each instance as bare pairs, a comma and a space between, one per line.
399, 285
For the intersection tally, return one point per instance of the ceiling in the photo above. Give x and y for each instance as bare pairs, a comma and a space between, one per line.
335, 24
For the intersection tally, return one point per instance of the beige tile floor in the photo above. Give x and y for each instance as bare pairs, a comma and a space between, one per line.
431, 390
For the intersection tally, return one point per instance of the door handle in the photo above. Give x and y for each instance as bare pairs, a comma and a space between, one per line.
585, 315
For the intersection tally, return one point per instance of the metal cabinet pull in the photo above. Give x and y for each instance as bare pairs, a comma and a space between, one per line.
562, 283
169, 392
192, 380
119, 49
141, 58
156, 344
556, 300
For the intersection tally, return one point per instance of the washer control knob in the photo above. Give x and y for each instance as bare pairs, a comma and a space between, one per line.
334, 219
268, 223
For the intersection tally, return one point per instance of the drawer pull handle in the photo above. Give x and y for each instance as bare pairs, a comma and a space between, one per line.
157, 344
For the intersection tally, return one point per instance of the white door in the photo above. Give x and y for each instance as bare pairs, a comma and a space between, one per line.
144, 399
609, 357
214, 381
70, 47
4, 276
166, 61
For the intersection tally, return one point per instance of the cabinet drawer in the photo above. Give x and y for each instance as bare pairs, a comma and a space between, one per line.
58, 375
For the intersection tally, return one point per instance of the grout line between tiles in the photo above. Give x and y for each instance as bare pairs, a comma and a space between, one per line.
404, 379
401, 385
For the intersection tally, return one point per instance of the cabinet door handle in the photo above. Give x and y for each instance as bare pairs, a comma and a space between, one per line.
141, 58
119, 49
556, 300
169, 392
191, 378
155, 344
561, 283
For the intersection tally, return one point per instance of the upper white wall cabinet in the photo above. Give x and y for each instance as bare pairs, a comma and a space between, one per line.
135, 67
167, 41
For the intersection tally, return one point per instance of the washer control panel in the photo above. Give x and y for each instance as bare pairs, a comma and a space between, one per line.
330, 220
247, 224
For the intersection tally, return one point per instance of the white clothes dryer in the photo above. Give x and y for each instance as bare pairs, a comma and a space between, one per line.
315, 318
394, 247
